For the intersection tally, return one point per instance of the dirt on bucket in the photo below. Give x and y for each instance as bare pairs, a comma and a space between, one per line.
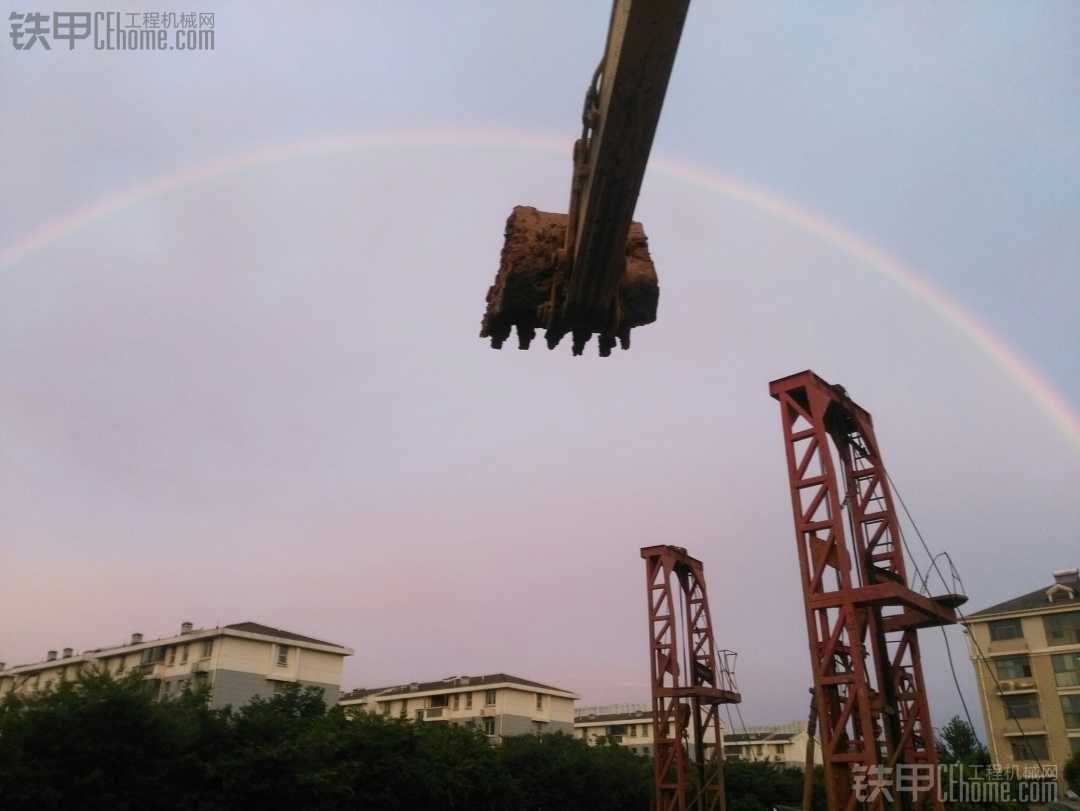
528, 287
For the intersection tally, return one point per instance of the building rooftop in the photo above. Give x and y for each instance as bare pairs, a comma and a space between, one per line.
266, 630
759, 737
1040, 598
591, 715
187, 632
449, 683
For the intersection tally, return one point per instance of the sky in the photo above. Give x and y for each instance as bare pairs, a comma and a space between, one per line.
240, 292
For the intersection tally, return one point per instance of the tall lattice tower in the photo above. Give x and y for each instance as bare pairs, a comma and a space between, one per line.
862, 616
689, 683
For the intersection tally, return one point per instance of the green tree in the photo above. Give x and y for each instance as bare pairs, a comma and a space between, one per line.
958, 744
761, 785
552, 772
103, 743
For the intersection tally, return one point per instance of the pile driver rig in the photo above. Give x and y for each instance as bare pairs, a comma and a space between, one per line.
862, 614
687, 695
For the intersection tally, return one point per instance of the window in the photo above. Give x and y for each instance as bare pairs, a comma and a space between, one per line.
386, 708
439, 701
489, 698
1029, 747
1013, 667
172, 655
1066, 669
404, 713
489, 726
1075, 744
282, 658
539, 701
457, 701
1022, 706
468, 701
1070, 705
1006, 629
1062, 629
120, 666
207, 648
183, 655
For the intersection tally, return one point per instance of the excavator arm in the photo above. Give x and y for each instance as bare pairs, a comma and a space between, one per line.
589, 271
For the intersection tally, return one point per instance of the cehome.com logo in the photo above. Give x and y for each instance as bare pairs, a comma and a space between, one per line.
112, 30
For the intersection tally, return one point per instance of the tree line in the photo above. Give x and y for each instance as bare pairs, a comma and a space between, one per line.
105, 743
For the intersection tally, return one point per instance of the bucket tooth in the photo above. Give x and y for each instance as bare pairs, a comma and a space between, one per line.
525, 336
553, 336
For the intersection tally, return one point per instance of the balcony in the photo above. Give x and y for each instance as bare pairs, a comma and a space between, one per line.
436, 713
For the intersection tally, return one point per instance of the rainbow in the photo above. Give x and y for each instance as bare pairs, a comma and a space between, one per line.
1049, 400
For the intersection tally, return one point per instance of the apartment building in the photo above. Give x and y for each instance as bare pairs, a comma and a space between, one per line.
629, 725
1026, 653
236, 662
499, 704
782, 743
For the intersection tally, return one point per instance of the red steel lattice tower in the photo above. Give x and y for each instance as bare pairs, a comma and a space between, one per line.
862, 616
689, 683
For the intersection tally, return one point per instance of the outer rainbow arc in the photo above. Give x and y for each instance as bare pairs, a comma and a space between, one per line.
1049, 399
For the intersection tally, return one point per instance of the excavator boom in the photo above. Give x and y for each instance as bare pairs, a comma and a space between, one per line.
590, 271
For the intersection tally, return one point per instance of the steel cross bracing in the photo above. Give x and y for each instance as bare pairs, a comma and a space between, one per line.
861, 619
689, 684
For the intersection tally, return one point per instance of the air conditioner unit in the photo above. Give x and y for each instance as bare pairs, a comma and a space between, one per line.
1006, 686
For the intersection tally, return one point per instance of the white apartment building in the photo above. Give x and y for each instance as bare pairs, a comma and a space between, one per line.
631, 725
236, 662
782, 743
499, 704
628, 725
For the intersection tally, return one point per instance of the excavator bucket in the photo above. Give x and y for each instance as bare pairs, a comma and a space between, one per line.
528, 292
